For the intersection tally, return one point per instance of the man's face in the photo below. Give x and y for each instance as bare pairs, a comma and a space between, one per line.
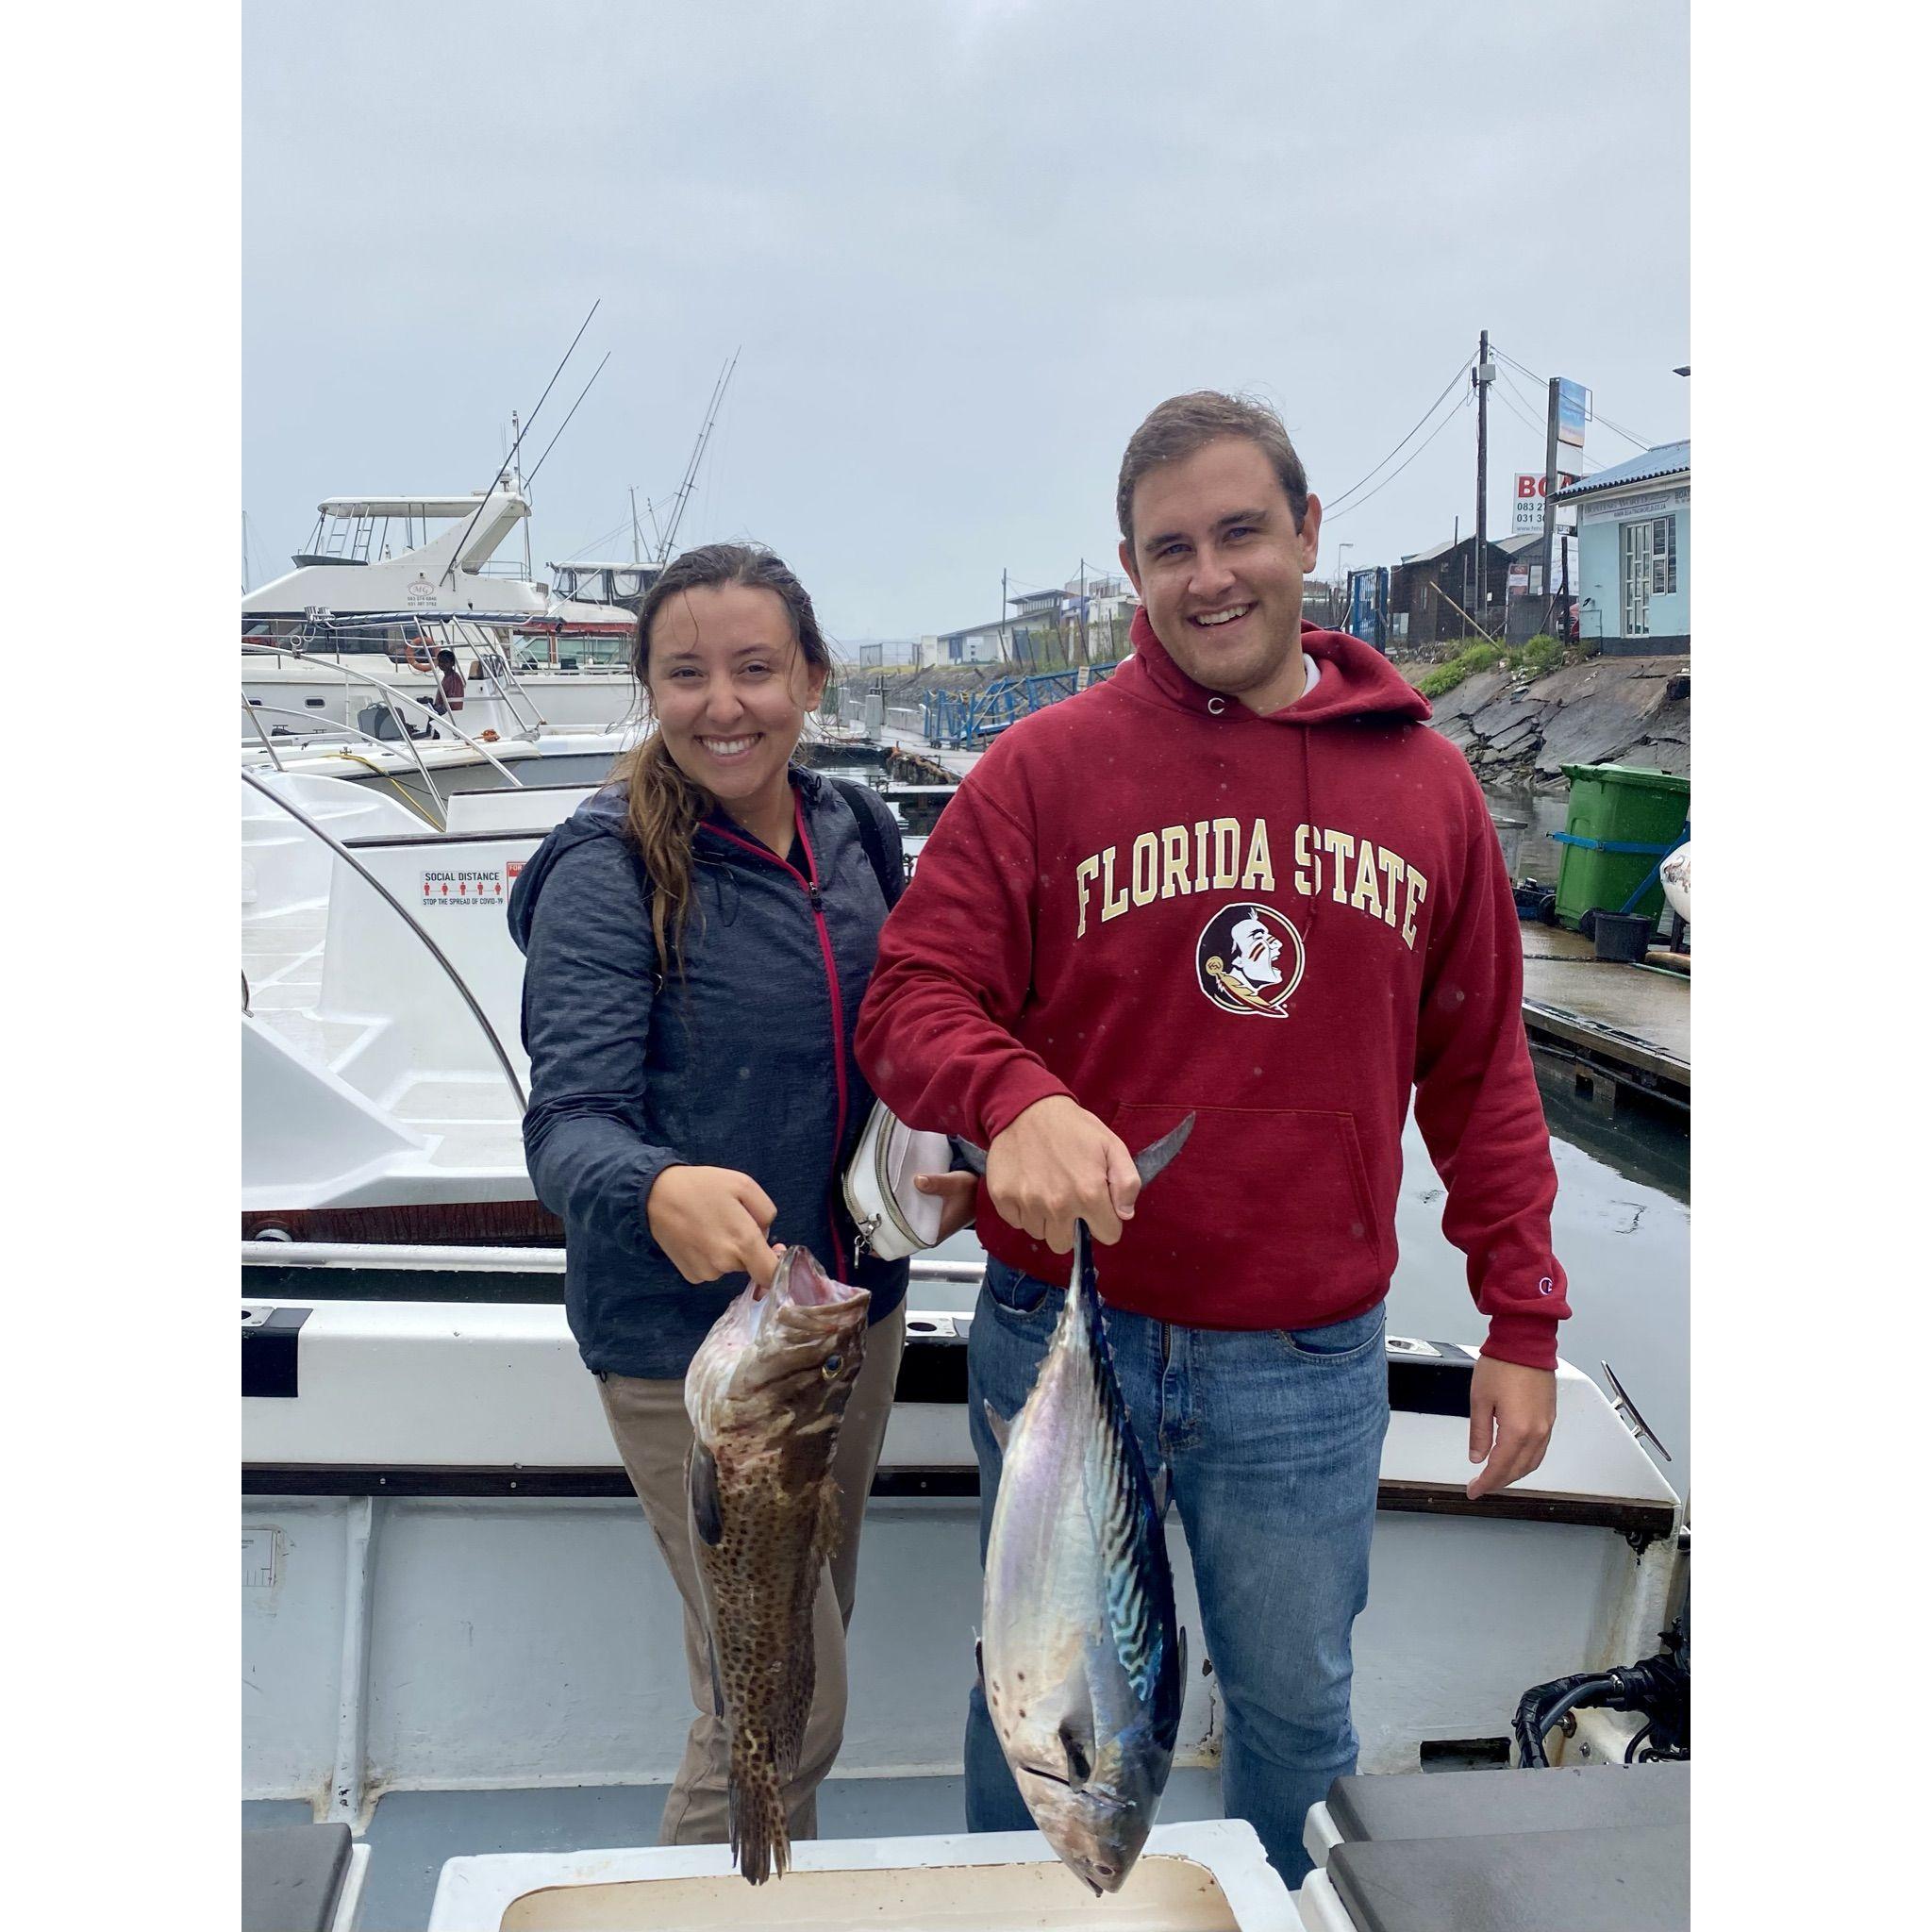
1218, 564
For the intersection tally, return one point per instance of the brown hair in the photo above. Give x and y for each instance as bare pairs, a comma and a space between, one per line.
1183, 425
665, 805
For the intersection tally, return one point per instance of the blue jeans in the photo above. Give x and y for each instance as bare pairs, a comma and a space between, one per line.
1272, 1440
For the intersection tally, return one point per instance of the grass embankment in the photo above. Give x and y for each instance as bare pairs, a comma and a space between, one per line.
1540, 654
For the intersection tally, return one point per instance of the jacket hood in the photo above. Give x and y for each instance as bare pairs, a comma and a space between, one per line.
1357, 680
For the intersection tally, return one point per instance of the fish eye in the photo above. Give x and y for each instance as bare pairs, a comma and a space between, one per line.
833, 1364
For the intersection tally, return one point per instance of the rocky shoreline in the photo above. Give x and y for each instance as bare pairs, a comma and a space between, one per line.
1518, 731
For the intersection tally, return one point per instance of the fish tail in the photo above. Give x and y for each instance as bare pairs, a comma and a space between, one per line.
760, 1841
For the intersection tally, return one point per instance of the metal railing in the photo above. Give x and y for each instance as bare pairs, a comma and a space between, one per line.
331, 729
393, 697
389, 898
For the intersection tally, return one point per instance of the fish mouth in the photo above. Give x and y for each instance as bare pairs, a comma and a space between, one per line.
801, 1283
1099, 1843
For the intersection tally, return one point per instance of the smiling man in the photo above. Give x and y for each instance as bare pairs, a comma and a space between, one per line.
1084, 956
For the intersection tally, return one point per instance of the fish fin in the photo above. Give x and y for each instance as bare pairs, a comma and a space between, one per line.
707, 1513
1182, 1635
980, 1663
787, 1732
974, 1156
761, 1842
1076, 1735
1163, 1484
1150, 1160
827, 1532
999, 1425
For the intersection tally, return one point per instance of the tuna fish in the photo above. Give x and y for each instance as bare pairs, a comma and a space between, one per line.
1080, 1656
765, 1393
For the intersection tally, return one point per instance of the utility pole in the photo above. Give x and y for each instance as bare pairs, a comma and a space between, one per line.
1550, 510
1485, 374
1001, 635
1083, 611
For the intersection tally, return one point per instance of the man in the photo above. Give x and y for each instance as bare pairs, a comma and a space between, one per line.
448, 695
1079, 962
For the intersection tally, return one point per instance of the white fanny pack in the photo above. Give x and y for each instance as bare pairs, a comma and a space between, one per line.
892, 1217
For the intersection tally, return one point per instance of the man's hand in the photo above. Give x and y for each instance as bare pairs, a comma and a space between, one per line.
1056, 1164
957, 1194
713, 1221
1511, 1411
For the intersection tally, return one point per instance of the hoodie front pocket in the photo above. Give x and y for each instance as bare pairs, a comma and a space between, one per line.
1265, 1208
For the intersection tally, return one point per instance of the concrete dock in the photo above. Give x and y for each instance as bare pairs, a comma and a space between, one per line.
1623, 1028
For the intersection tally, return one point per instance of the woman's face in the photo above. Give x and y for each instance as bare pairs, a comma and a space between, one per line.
730, 688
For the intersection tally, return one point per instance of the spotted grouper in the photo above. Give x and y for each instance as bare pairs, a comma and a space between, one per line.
766, 1393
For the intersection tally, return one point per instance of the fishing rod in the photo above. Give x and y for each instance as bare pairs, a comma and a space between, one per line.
523, 430
565, 424
697, 456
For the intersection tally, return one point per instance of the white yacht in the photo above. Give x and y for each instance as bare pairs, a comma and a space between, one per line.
379, 573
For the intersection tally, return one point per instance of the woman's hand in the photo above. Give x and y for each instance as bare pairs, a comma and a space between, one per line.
713, 1221
958, 1193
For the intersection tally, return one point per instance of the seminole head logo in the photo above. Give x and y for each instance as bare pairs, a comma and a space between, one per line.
1249, 960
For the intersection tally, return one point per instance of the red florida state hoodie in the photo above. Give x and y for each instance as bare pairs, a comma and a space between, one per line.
1154, 900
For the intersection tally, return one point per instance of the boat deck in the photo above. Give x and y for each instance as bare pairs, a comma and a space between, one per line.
412, 1833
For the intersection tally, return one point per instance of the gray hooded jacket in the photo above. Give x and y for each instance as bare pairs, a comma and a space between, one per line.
745, 1061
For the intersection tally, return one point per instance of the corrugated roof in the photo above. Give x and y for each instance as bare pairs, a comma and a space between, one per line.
1508, 545
1666, 459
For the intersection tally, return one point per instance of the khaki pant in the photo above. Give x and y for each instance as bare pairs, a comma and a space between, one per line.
653, 1435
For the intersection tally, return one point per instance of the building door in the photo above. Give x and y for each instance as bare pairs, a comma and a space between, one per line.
1636, 542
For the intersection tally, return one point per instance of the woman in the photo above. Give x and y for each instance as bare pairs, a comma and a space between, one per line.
699, 935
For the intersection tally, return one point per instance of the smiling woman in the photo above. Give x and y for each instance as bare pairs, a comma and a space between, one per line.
698, 937
732, 663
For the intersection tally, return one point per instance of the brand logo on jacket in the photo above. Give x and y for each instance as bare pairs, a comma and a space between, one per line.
1249, 959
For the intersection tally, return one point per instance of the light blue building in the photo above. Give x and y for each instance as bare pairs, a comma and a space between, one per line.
1633, 525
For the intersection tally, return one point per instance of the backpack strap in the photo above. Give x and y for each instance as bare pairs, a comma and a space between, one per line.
858, 802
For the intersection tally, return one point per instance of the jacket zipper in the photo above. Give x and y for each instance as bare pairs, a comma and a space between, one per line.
817, 901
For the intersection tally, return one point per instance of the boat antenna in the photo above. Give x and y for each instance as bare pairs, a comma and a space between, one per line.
565, 424
636, 541
450, 569
697, 456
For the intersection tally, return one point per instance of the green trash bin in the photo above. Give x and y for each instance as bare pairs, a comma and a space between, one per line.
1622, 819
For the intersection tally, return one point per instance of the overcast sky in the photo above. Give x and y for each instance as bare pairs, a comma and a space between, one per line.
964, 245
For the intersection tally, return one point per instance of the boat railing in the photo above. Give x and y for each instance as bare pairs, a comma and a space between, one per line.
378, 634
282, 1253
440, 720
401, 911
330, 731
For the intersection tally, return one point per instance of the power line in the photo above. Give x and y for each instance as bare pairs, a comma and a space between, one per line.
1524, 410
1460, 369
1596, 415
1412, 457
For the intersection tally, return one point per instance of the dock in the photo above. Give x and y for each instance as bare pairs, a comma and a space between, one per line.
1620, 1032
